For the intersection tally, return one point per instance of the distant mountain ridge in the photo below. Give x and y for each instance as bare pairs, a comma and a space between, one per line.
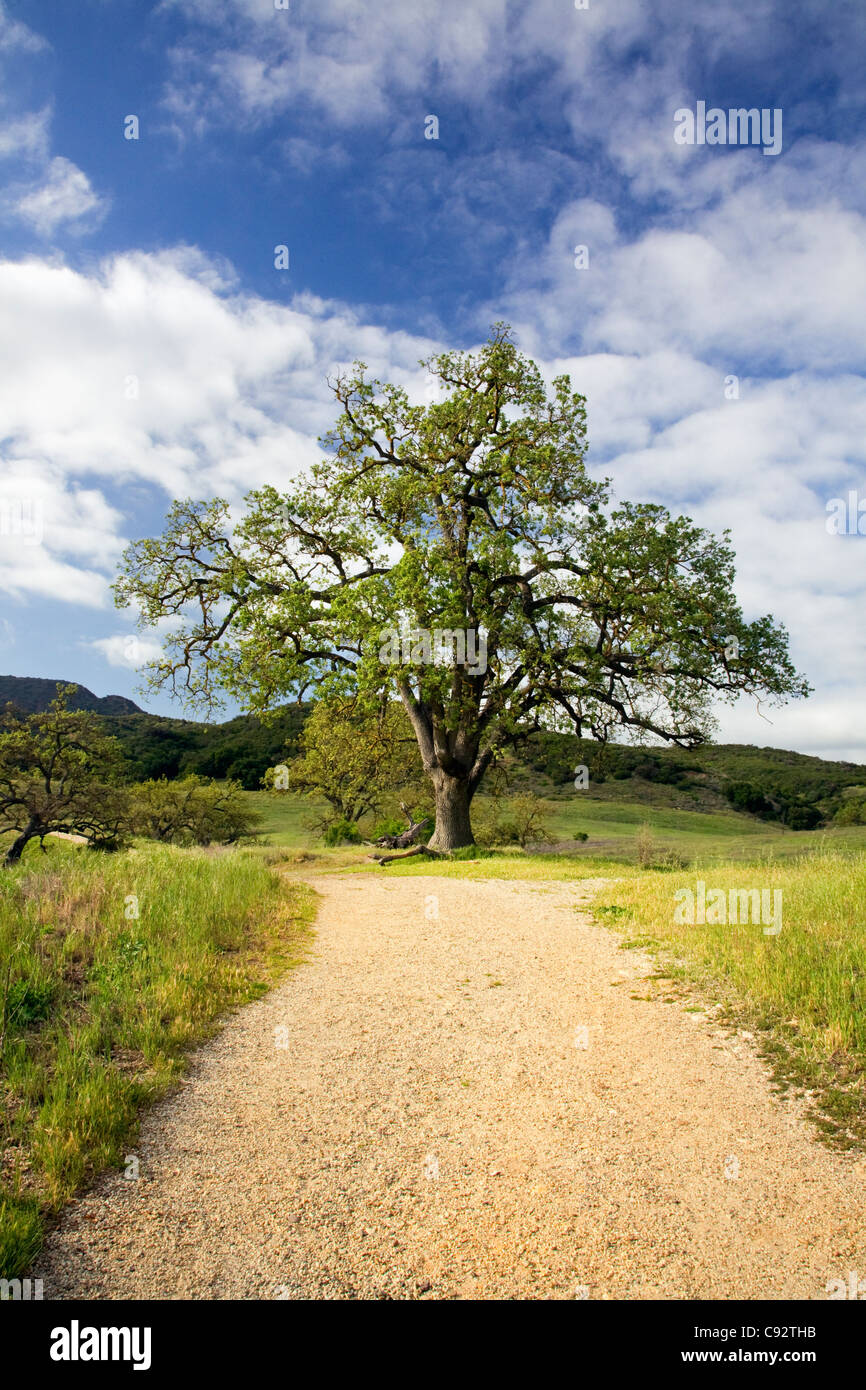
33, 694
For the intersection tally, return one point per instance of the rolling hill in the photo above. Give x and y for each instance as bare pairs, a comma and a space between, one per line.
33, 694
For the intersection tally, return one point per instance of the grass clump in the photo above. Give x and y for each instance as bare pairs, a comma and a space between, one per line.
111, 968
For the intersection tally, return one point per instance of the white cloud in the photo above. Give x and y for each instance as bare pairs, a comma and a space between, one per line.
826, 726
50, 193
348, 61
127, 650
57, 539
26, 137
754, 281
16, 37
150, 376
61, 196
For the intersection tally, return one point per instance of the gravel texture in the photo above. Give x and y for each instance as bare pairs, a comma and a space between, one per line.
434, 1122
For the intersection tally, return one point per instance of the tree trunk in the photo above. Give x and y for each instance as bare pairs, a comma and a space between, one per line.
15, 850
453, 825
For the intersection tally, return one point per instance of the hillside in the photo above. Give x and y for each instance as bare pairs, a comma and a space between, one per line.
33, 694
773, 784
242, 748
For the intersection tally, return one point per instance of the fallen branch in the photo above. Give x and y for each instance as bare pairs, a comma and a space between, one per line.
419, 849
406, 837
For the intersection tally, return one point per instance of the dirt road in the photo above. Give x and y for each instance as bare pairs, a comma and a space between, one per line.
459, 1097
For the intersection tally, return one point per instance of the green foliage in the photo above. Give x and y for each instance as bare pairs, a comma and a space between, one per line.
354, 756
58, 773
25, 1002
475, 513
745, 796
528, 815
192, 811
774, 804
342, 832
392, 825
519, 820
241, 749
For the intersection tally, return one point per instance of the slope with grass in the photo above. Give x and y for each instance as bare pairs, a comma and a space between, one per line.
612, 829
803, 992
110, 969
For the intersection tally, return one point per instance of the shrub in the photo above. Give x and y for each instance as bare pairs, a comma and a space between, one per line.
527, 811
800, 816
646, 847
392, 825
342, 832
192, 811
851, 813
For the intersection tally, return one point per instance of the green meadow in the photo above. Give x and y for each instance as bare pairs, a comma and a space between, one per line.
611, 826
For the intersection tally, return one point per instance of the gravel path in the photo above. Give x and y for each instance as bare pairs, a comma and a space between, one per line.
430, 1124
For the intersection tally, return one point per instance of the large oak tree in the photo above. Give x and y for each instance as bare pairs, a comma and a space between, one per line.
474, 512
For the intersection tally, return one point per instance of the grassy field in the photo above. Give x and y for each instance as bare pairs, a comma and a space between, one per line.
612, 828
285, 817
111, 967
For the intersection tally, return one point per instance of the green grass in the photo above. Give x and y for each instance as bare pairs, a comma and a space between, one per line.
803, 991
723, 835
611, 826
284, 816
98, 1005
503, 865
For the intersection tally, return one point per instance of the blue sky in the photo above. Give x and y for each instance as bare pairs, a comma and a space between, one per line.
151, 349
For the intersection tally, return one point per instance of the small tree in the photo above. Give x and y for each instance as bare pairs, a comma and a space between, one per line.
527, 812
59, 774
353, 756
192, 811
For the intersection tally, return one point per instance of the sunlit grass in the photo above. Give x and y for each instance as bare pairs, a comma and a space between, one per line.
611, 826
111, 967
805, 988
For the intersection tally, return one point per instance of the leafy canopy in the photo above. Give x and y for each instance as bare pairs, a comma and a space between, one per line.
192, 811
352, 757
473, 511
